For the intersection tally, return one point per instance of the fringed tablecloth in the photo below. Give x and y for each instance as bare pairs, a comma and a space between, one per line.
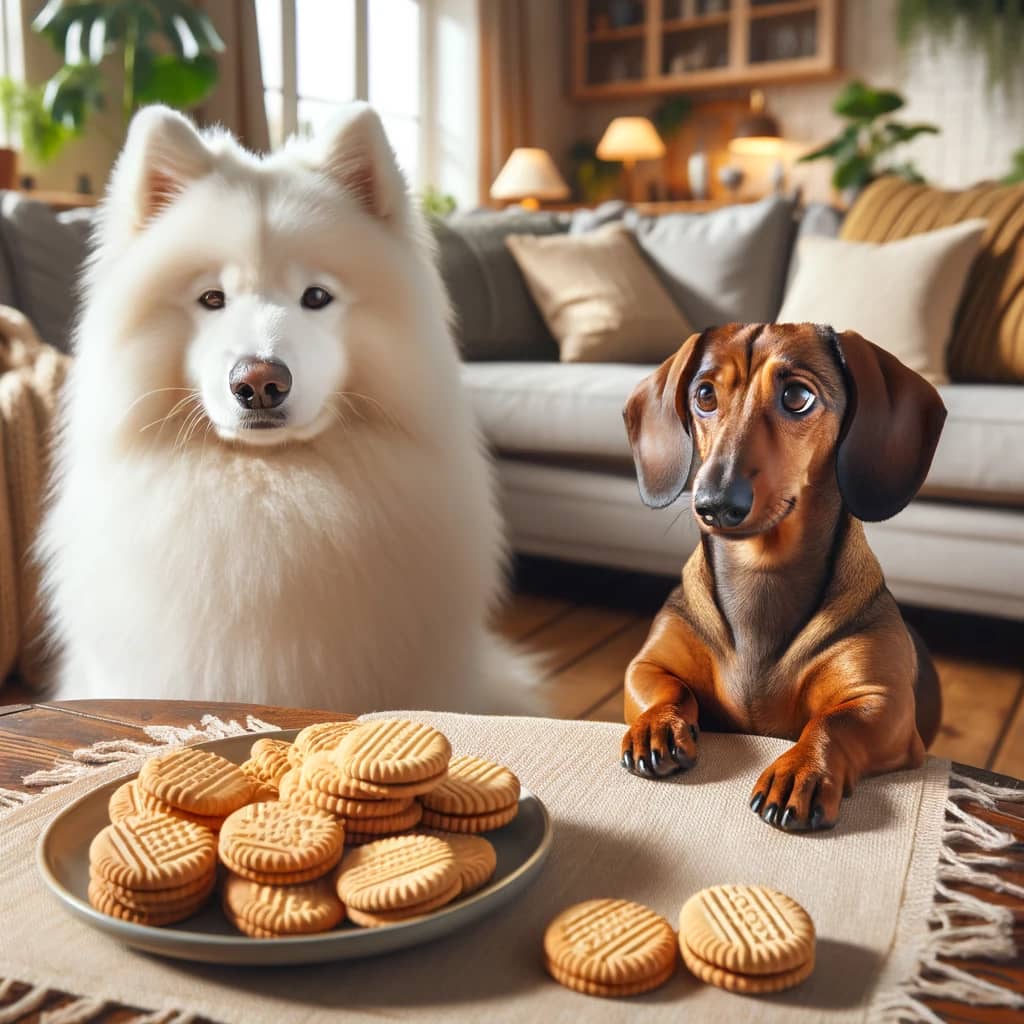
877, 888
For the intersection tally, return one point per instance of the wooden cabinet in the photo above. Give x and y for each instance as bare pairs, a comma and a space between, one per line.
627, 48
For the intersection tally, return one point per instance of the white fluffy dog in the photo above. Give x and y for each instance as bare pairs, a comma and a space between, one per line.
270, 487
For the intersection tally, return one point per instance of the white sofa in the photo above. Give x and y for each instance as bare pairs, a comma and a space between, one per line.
569, 489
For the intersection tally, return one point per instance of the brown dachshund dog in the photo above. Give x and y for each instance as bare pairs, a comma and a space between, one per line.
783, 625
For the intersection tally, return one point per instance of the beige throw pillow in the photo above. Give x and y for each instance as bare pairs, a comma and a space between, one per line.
901, 295
600, 299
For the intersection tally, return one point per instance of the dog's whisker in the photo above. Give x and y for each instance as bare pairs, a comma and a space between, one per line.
193, 397
388, 416
149, 394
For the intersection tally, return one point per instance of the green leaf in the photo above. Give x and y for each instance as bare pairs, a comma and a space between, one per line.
178, 83
71, 93
861, 102
852, 173
98, 39
183, 39
202, 27
844, 144
898, 133
44, 20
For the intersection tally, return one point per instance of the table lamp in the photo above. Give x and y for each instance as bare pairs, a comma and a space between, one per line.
529, 175
757, 133
630, 139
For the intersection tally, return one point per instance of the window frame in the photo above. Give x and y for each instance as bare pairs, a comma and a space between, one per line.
426, 117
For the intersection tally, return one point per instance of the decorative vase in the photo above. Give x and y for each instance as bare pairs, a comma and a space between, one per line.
697, 174
8, 168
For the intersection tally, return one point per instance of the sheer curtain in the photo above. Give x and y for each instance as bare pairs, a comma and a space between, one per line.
237, 102
504, 85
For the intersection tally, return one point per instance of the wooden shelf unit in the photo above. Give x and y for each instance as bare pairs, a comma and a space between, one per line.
623, 50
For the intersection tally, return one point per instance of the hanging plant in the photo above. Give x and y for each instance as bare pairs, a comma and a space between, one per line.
994, 28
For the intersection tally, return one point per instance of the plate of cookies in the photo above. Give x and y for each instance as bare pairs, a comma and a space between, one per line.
337, 841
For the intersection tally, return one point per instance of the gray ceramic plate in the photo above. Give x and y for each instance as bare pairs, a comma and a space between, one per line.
63, 858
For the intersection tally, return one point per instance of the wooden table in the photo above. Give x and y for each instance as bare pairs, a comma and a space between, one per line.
33, 736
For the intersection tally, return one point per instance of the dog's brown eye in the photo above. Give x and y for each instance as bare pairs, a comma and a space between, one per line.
797, 399
705, 398
316, 298
212, 299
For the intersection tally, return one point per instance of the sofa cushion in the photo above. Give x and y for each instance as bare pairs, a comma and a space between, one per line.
987, 342
494, 315
901, 295
724, 266
599, 296
43, 252
573, 412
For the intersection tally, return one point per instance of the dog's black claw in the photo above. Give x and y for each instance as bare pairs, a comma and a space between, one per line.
627, 760
641, 766
694, 733
770, 812
789, 820
755, 804
655, 761
818, 818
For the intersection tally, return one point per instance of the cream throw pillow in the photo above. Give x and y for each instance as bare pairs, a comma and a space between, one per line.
901, 295
600, 299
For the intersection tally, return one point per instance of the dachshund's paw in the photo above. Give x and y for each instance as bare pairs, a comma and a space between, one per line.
661, 741
799, 792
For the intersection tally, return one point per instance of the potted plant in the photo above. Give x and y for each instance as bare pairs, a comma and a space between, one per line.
165, 49
26, 118
864, 149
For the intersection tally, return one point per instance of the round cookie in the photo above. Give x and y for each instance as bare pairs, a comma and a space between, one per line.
406, 819
323, 736
394, 751
474, 786
595, 988
102, 899
142, 900
284, 909
281, 877
153, 852
470, 822
398, 872
380, 918
197, 781
747, 929
610, 944
279, 838
322, 773
268, 760
747, 984
476, 858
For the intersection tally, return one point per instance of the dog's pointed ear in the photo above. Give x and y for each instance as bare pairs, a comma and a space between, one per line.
359, 157
658, 426
892, 425
163, 155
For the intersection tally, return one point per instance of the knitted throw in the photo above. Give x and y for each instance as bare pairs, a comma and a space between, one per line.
31, 375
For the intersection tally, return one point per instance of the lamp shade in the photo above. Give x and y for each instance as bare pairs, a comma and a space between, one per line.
529, 174
630, 139
757, 132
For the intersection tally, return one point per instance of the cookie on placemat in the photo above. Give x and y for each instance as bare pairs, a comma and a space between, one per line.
747, 929
282, 909
473, 786
746, 938
280, 839
470, 822
323, 736
394, 751
610, 947
381, 918
391, 874
197, 781
153, 852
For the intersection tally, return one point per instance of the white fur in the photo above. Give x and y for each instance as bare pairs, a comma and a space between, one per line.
347, 560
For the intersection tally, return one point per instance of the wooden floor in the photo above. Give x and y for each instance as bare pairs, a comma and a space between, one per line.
588, 623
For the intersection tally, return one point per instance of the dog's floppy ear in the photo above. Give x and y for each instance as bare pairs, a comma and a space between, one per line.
893, 421
358, 155
657, 423
162, 155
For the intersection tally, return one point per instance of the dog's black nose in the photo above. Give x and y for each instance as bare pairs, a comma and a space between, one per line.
260, 383
727, 507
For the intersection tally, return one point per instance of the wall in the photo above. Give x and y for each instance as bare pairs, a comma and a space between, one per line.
945, 85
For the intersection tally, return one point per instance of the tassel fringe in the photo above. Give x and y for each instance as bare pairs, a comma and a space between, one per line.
961, 925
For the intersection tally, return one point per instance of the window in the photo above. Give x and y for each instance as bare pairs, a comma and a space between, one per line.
414, 60
10, 55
